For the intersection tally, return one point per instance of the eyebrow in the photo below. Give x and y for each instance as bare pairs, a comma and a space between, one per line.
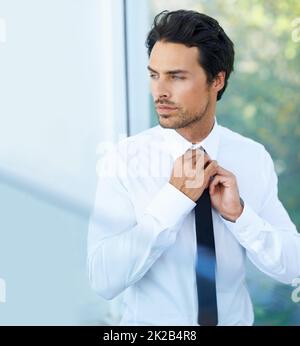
169, 72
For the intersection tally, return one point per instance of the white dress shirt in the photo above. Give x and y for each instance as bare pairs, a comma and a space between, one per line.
142, 238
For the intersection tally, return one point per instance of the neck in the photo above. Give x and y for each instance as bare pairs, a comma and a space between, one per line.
198, 131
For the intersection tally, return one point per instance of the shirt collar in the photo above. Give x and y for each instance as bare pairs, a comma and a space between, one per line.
178, 145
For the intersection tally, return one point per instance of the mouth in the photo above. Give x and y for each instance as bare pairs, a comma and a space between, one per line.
165, 109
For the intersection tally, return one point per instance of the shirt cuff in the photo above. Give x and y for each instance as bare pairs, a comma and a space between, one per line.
248, 227
170, 205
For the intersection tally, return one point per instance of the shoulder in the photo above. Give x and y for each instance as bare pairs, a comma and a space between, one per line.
140, 142
143, 137
128, 149
243, 153
239, 144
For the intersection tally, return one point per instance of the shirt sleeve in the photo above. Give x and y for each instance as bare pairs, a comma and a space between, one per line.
269, 237
121, 249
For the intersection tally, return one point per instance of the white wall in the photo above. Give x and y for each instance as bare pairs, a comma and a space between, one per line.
62, 91
137, 25
58, 96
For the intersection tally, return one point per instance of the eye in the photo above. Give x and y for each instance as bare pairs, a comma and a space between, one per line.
177, 77
152, 76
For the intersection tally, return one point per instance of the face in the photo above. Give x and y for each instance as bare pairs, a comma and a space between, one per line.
179, 85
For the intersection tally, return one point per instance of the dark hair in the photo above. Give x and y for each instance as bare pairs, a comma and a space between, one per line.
193, 29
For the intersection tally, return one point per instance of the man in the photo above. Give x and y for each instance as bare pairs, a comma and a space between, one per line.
185, 189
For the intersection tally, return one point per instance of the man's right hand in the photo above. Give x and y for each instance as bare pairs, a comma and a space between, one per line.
192, 172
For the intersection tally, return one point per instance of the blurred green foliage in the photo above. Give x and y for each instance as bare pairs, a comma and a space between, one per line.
262, 102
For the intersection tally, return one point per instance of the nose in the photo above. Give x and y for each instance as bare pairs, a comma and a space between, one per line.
160, 91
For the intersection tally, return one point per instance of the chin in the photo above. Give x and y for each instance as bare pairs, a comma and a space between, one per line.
166, 122
169, 125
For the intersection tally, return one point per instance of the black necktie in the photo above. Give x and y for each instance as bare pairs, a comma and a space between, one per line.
206, 262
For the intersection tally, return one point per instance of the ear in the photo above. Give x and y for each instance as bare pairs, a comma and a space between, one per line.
219, 81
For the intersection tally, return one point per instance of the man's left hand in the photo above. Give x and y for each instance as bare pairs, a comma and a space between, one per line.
224, 195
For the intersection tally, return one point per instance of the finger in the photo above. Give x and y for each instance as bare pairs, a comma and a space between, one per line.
205, 157
198, 152
212, 166
211, 169
220, 179
190, 153
197, 157
190, 157
216, 181
223, 171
